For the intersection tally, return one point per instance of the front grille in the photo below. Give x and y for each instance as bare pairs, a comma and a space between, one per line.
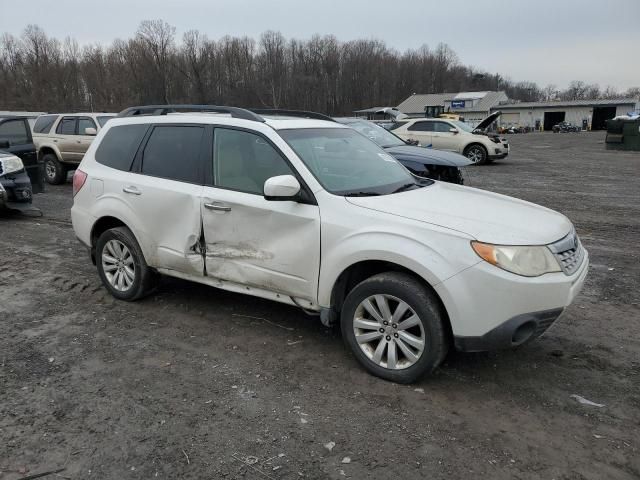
569, 252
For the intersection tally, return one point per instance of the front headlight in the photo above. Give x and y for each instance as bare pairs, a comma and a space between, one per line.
528, 261
10, 165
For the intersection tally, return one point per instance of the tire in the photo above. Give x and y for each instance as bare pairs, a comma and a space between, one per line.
476, 153
136, 281
55, 172
396, 289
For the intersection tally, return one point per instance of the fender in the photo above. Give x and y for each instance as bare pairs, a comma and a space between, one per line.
399, 247
48, 146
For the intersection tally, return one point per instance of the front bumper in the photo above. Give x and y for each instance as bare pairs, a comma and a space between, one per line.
490, 308
16, 192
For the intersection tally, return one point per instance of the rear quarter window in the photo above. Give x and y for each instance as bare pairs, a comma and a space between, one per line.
44, 123
119, 146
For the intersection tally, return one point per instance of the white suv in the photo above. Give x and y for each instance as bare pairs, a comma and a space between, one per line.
456, 136
313, 214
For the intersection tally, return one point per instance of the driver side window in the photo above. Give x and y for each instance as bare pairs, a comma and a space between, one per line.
243, 161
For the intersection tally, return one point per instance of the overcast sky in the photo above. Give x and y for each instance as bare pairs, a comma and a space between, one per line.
546, 41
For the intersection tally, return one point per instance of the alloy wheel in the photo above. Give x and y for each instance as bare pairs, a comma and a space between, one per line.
50, 170
389, 332
118, 266
475, 154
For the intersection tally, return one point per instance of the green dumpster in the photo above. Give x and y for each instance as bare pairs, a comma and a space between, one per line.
623, 134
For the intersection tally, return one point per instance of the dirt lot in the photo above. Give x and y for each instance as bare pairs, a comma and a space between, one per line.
198, 383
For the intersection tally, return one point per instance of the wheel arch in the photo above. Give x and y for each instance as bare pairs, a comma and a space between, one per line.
102, 225
361, 270
46, 149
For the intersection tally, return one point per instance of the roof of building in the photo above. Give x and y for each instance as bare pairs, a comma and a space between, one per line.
570, 103
416, 103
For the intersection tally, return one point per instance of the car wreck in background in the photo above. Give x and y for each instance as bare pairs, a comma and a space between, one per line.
21, 175
421, 162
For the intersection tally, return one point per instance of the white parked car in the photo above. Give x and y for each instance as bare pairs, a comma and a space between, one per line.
453, 135
313, 214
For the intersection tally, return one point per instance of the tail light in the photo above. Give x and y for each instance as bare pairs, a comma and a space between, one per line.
79, 177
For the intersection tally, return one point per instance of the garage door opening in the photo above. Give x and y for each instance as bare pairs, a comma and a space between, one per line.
600, 117
551, 119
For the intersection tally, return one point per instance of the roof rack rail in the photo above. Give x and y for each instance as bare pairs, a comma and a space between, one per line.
292, 113
235, 112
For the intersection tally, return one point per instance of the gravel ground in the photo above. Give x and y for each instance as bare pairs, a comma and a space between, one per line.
194, 382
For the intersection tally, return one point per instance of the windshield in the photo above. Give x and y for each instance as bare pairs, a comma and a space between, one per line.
346, 163
462, 125
378, 134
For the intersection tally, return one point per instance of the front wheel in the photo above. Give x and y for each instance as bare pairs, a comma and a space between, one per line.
394, 326
121, 265
476, 153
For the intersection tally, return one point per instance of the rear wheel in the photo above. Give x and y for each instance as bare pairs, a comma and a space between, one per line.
55, 172
121, 265
476, 153
394, 327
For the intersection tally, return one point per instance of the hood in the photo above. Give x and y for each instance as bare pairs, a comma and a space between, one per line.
488, 121
392, 112
428, 155
486, 216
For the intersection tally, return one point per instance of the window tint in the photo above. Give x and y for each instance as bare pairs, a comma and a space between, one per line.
244, 161
44, 123
15, 131
173, 152
85, 123
119, 146
441, 127
103, 120
67, 126
421, 127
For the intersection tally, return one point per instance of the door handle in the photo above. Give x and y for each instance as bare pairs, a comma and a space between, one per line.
220, 207
132, 190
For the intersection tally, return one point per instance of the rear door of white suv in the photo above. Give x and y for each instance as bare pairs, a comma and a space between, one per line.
421, 131
251, 241
164, 189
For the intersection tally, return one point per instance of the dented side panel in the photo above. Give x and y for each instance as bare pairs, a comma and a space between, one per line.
171, 225
263, 244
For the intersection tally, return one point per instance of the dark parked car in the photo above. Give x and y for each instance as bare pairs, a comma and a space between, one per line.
21, 175
420, 161
564, 127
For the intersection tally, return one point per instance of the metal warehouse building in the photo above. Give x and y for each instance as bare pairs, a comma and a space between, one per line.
591, 114
473, 106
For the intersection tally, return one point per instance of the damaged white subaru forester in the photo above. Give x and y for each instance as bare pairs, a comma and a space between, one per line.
311, 213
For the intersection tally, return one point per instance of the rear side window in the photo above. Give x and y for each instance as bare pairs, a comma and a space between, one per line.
119, 146
421, 127
15, 132
67, 126
44, 123
173, 152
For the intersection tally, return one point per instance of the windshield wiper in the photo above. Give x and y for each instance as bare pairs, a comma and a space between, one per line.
361, 194
406, 186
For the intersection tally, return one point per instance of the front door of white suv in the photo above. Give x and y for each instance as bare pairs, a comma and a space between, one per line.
165, 194
273, 246
442, 138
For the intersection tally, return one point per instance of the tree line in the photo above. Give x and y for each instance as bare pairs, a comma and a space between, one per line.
40, 73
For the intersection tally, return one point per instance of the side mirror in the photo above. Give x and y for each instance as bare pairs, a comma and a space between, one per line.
90, 131
453, 130
5, 144
282, 187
